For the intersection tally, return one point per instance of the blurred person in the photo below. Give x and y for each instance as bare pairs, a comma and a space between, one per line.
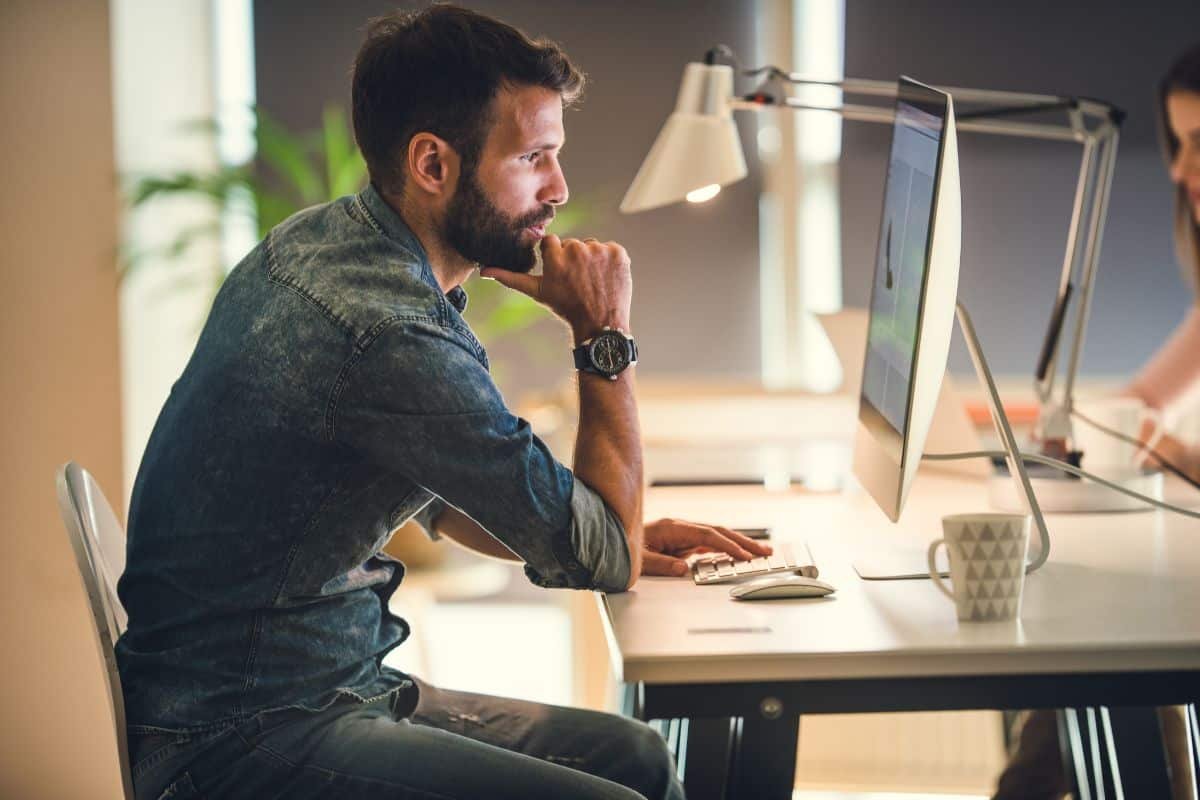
1035, 769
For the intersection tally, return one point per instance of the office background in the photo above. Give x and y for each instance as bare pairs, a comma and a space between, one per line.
63, 338
696, 267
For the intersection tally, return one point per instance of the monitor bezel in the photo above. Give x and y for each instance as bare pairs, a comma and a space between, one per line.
892, 441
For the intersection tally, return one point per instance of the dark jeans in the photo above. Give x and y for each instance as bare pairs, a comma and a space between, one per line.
455, 745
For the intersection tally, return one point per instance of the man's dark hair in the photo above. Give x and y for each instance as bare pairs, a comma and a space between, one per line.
437, 70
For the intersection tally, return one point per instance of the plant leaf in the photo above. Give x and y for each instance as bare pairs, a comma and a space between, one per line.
215, 186
273, 208
288, 156
514, 312
169, 253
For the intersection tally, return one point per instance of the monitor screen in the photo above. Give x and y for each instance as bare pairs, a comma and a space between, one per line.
900, 266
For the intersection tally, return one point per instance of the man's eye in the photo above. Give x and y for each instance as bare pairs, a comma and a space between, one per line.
530, 157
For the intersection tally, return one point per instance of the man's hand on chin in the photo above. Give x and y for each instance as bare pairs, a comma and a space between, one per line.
668, 542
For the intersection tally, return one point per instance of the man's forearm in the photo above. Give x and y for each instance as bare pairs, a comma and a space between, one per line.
608, 453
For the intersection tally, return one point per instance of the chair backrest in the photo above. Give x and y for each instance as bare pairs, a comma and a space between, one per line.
98, 540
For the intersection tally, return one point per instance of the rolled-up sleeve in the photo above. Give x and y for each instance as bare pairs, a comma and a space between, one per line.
595, 548
420, 402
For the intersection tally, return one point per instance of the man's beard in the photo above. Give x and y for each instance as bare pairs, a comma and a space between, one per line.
485, 235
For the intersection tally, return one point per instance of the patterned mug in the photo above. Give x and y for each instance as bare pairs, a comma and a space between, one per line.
987, 564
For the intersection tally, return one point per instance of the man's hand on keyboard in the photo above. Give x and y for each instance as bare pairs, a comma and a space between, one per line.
669, 542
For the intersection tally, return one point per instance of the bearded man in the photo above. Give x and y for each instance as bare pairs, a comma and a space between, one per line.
335, 393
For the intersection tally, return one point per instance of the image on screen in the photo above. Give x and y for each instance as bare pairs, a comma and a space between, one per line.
900, 262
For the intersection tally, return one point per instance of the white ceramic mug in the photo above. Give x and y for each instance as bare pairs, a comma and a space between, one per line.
1119, 413
987, 564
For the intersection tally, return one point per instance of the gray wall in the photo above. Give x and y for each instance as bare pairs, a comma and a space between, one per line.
695, 268
1017, 194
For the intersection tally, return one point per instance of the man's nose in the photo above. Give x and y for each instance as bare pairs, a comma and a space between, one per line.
554, 192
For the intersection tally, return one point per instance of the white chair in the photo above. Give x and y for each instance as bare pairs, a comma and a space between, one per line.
98, 540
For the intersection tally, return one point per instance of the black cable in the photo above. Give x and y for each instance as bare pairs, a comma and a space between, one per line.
1157, 456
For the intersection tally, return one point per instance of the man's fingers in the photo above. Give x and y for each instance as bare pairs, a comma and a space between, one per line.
719, 541
525, 284
753, 545
662, 564
678, 536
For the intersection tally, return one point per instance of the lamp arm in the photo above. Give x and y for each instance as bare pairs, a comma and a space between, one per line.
868, 113
1095, 234
1090, 107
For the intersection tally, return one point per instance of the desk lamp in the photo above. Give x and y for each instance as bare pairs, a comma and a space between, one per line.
698, 151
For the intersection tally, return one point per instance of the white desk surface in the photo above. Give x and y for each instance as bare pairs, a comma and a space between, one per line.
1121, 592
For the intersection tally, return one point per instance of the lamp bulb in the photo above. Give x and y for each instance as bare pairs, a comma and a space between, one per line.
704, 193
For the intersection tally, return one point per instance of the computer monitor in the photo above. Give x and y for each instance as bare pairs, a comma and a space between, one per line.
913, 295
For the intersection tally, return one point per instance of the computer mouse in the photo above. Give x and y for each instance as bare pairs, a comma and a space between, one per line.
780, 586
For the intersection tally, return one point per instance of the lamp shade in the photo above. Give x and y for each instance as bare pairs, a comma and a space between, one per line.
697, 147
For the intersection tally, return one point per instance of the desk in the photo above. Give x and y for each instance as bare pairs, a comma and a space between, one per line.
1111, 620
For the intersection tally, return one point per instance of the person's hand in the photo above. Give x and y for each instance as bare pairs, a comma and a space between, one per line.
1178, 453
586, 283
669, 541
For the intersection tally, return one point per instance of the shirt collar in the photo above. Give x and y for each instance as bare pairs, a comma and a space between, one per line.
385, 220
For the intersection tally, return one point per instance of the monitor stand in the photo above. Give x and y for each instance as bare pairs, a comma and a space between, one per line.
898, 562
895, 563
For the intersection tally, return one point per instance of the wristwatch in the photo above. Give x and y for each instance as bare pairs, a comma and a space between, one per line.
608, 353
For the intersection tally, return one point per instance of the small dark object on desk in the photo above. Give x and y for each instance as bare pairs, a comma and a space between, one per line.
755, 533
666, 482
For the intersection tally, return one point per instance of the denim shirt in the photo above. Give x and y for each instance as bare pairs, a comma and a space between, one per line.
335, 393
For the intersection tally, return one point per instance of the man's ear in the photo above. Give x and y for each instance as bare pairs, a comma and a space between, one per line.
432, 164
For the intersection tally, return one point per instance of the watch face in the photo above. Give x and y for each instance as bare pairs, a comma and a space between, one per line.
610, 353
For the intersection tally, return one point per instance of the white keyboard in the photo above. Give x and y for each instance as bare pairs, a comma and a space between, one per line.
721, 568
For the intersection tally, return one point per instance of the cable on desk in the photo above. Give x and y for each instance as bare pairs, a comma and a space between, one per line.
1065, 467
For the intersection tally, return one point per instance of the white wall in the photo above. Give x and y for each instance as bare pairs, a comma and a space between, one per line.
163, 78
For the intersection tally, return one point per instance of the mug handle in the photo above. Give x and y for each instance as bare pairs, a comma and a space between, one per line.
934, 573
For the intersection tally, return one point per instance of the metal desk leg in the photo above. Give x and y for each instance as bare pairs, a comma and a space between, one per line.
1135, 746
765, 757
631, 700
705, 757
1089, 748
1117, 753
1193, 729
1071, 738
